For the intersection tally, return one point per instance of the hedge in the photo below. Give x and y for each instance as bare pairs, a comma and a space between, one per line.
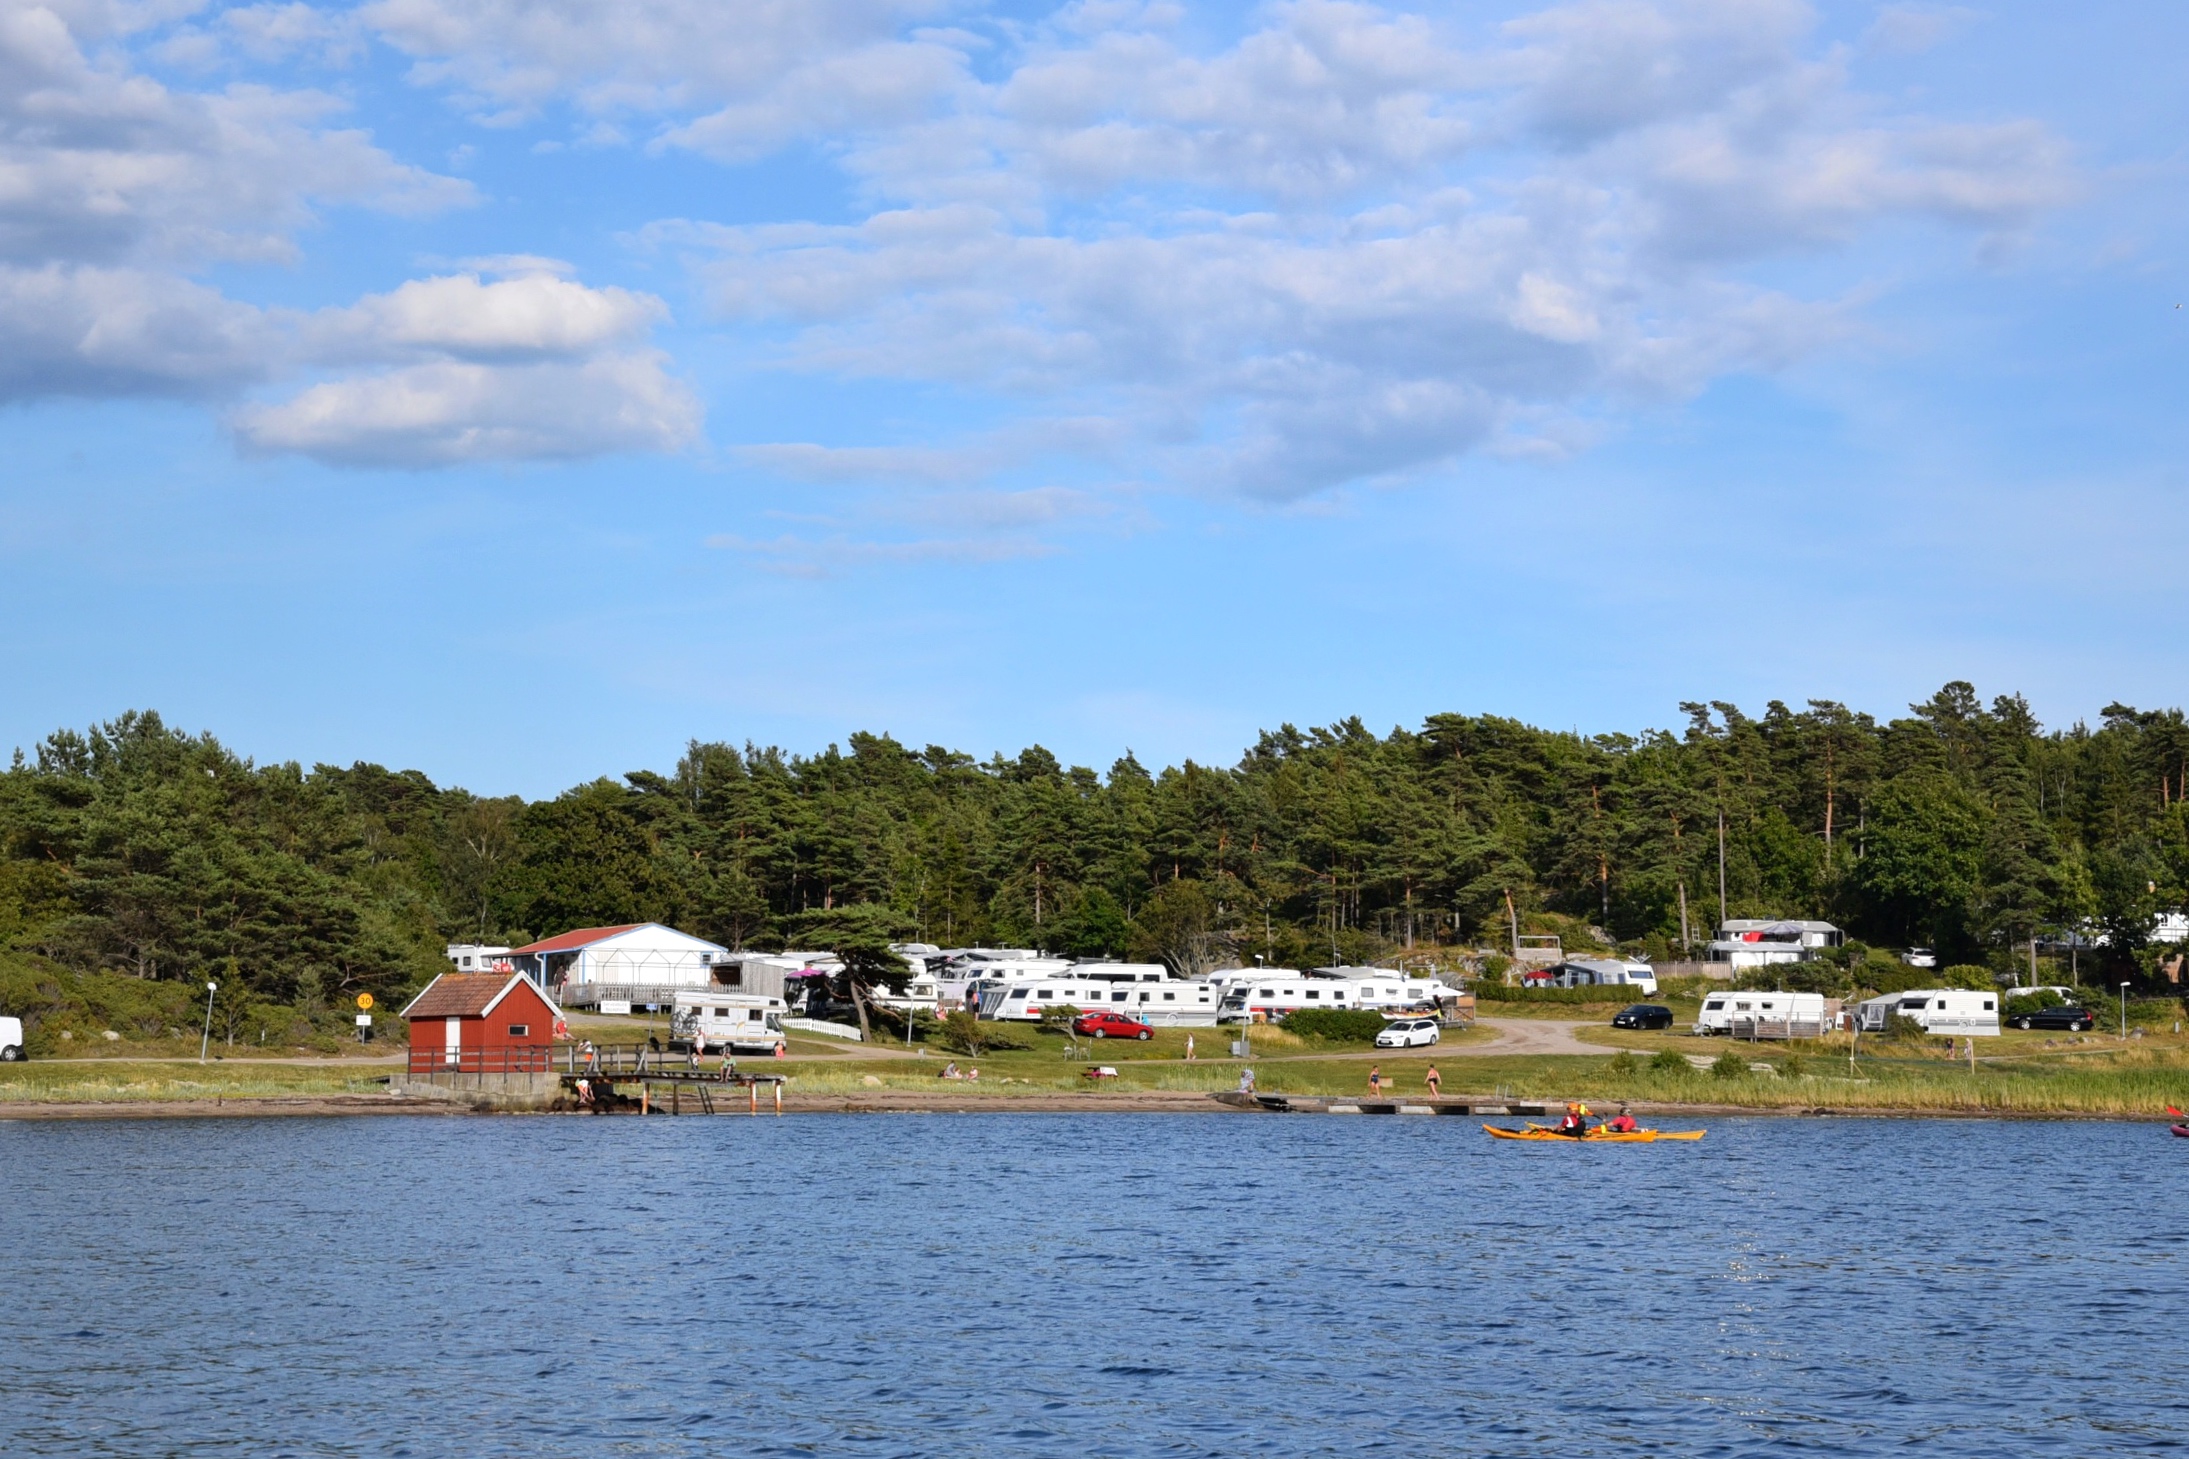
1504, 993
1335, 1025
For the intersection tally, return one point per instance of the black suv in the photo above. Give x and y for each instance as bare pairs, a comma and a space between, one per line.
1643, 1015
2066, 1016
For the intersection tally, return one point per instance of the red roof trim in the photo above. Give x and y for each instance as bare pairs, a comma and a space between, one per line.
470, 995
579, 937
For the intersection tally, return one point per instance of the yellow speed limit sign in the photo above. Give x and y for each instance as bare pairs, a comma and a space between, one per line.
364, 1001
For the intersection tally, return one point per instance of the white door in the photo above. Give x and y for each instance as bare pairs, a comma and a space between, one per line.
455, 1042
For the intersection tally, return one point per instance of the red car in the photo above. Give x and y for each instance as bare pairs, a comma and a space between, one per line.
1103, 1024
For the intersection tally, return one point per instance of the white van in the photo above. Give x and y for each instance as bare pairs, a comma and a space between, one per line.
1953, 1012
743, 1023
1762, 1015
11, 1040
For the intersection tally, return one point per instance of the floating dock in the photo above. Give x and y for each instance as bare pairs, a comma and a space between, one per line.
1304, 1104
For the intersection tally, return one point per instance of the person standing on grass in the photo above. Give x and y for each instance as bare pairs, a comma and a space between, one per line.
1435, 1081
1189, 1048
1375, 1079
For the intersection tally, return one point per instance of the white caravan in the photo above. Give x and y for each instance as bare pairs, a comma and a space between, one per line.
740, 1022
1271, 996
1762, 1015
1952, 1012
1606, 972
1145, 991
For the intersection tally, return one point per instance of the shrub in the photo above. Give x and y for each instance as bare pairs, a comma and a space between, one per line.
1502, 993
1793, 1066
1059, 1018
1335, 1025
1668, 1061
1728, 1065
1967, 975
2031, 1003
962, 1033
1624, 1065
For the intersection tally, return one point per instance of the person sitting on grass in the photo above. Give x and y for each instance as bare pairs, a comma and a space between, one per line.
950, 1071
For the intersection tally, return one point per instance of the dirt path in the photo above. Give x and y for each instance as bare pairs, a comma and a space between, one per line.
1529, 1036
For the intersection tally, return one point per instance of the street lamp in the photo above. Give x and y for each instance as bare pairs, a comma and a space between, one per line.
2124, 1010
210, 988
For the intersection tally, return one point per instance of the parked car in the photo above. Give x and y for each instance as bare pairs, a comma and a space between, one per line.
2079, 1020
1103, 1024
11, 1040
1407, 1033
1643, 1015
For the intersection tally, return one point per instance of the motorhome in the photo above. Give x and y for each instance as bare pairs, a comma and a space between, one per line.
1763, 1015
1145, 991
1954, 1012
740, 1022
1271, 997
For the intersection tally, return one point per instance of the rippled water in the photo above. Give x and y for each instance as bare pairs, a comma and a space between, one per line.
1086, 1285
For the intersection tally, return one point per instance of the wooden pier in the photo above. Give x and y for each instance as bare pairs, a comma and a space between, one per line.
599, 1082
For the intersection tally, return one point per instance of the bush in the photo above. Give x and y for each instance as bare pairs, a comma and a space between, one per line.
1501, 993
2032, 1003
1667, 1061
1967, 975
1728, 1066
1059, 1018
1335, 1025
962, 1033
1624, 1065
1793, 1066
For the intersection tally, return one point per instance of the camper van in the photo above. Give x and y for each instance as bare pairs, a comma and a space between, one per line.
1762, 1015
1145, 991
11, 1040
740, 1022
1953, 1012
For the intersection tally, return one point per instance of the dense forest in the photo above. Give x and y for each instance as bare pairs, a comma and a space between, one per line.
137, 849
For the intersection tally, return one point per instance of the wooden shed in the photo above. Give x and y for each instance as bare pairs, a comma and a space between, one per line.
482, 1023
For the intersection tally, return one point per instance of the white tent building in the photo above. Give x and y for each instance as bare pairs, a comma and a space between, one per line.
636, 964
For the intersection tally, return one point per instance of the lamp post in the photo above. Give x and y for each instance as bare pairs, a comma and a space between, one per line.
2124, 1010
203, 1042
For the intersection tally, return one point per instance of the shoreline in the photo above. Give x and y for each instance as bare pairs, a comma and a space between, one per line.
885, 1101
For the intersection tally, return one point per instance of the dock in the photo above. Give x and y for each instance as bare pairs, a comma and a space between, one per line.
1304, 1104
603, 1085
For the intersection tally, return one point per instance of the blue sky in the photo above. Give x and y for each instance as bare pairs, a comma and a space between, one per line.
518, 390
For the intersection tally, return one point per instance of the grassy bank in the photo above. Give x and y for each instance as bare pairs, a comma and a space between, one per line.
131, 1081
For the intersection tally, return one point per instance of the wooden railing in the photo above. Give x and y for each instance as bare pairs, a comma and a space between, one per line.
430, 1060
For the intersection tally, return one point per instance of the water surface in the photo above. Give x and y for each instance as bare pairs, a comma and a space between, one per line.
1086, 1285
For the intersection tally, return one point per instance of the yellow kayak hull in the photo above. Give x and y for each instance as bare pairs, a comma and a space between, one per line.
1593, 1137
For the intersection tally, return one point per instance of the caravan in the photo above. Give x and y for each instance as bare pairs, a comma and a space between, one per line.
1952, 1012
1763, 1015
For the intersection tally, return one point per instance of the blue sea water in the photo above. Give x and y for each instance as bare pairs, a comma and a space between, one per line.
1086, 1285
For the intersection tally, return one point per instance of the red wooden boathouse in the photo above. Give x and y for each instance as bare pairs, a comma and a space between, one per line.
482, 1023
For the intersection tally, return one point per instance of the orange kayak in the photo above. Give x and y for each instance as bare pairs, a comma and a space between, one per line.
1597, 1136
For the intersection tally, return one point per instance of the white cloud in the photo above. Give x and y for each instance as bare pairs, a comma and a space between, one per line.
450, 413
1350, 245
120, 332
741, 77
99, 164
531, 317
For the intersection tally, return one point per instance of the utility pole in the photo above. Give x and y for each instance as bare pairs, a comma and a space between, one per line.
1686, 943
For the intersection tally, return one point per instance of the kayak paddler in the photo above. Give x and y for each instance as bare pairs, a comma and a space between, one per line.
1576, 1122
1622, 1123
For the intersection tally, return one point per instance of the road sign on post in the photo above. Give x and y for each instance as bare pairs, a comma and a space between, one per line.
364, 1002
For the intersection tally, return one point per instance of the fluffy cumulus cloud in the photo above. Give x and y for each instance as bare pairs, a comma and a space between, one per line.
1354, 242
1339, 241
115, 188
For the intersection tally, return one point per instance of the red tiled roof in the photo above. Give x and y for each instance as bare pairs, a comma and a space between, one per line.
577, 938
461, 995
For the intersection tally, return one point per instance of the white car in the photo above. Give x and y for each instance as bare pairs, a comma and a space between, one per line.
11, 1040
1407, 1033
